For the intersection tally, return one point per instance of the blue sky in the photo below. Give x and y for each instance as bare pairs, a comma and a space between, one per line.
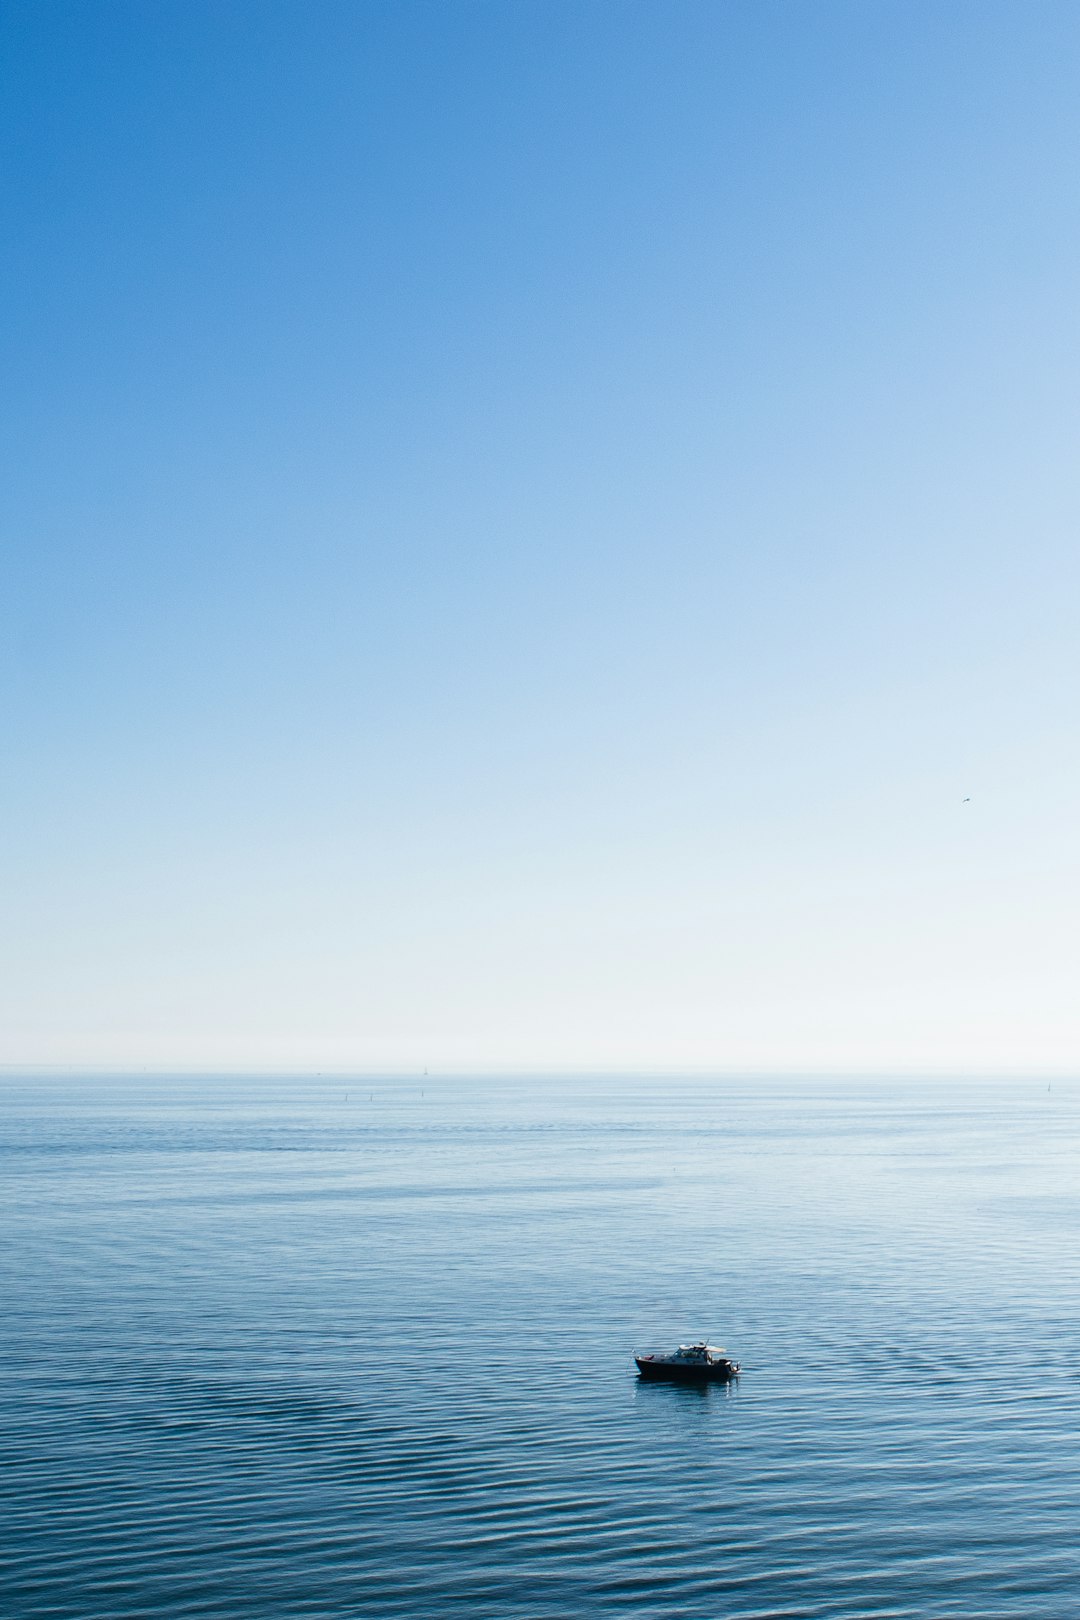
523, 524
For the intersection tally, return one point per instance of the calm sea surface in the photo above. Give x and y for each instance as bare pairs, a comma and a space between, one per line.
282, 1348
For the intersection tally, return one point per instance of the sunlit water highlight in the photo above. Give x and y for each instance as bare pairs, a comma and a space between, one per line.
270, 1352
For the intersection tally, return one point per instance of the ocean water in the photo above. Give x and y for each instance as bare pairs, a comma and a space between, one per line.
319, 1348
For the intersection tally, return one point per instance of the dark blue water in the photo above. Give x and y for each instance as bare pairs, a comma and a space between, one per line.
266, 1352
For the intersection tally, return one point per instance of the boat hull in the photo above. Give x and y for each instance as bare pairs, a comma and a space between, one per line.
657, 1368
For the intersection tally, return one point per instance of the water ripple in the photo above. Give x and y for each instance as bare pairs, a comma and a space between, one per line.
264, 1358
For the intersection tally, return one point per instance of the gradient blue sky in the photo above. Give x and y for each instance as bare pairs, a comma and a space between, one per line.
523, 523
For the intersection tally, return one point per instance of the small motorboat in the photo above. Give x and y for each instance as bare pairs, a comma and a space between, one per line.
691, 1364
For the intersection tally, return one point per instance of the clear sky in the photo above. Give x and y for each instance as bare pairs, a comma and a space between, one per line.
540, 534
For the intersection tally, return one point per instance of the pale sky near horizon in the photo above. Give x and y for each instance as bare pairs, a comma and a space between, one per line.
540, 534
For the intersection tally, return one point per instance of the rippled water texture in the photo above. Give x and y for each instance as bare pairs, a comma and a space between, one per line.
271, 1352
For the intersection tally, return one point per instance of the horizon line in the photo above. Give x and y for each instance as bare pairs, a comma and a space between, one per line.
546, 1072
